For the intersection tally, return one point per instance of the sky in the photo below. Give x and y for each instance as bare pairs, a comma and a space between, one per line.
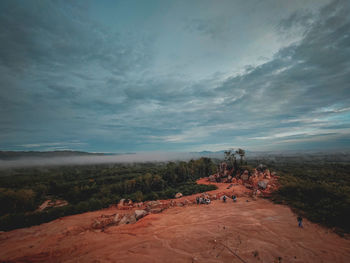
141, 76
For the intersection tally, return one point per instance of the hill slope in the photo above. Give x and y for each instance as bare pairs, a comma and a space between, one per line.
256, 231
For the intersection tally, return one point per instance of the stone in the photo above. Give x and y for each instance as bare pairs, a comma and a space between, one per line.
121, 202
140, 204
178, 195
127, 219
96, 224
249, 186
156, 210
153, 204
262, 184
117, 218
245, 175
140, 213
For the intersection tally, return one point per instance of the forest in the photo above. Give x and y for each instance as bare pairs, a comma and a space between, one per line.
315, 187
92, 187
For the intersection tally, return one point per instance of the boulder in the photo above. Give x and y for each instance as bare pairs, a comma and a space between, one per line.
245, 175
140, 204
262, 184
121, 202
140, 213
127, 219
156, 210
178, 195
96, 224
117, 218
249, 186
153, 204
102, 223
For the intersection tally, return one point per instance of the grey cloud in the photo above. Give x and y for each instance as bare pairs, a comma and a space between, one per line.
78, 79
299, 18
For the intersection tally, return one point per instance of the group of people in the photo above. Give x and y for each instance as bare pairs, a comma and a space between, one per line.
206, 199
202, 200
234, 198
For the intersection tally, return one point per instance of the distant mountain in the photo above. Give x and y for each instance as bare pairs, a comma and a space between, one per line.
12, 155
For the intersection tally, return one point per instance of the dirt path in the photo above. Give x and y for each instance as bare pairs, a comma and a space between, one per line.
257, 231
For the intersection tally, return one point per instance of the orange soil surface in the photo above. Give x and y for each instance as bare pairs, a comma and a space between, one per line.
253, 231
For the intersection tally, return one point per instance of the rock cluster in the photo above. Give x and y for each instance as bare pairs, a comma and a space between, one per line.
178, 195
118, 219
260, 179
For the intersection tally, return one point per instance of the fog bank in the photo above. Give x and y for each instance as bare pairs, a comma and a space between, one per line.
103, 159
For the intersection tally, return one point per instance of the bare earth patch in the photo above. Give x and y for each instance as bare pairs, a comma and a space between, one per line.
246, 231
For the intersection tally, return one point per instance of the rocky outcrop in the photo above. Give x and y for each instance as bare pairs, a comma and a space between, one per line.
262, 184
178, 195
125, 204
103, 221
156, 210
127, 219
140, 213
52, 203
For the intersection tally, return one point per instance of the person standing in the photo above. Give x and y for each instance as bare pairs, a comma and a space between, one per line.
234, 198
300, 221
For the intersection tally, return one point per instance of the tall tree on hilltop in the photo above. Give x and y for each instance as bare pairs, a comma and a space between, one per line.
230, 158
241, 153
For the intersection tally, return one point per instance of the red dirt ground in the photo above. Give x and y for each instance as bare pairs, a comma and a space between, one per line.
255, 231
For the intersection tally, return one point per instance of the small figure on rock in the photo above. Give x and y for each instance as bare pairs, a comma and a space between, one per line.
224, 198
234, 198
300, 221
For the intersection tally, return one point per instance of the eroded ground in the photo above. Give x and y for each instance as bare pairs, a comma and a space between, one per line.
253, 231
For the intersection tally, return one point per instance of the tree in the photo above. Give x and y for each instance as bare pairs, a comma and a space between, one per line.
230, 158
241, 153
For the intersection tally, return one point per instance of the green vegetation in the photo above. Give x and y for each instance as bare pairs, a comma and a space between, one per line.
93, 187
319, 190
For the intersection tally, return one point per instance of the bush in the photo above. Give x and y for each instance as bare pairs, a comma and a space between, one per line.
93, 187
322, 197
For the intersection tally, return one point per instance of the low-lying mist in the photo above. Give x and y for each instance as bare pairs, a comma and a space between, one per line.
99, 159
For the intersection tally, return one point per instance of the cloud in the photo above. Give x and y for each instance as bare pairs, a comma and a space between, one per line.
67, 77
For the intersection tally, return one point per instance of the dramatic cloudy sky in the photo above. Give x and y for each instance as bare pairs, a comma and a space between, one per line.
126, 76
